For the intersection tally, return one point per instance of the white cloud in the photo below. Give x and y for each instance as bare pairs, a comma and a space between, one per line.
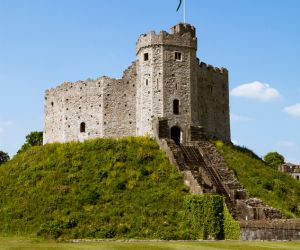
287, 144
238, 118
256, 90
293, 110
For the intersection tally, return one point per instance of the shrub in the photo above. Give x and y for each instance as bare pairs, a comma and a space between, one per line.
51, 229
4, 157
34, 138
232, 228
274, 159
205, 212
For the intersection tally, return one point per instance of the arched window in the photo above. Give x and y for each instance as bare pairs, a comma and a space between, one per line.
82, 127
176, 107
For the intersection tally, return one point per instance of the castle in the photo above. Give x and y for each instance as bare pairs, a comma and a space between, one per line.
166, 93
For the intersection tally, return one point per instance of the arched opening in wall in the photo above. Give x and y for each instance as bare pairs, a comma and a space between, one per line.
82, 127
176, 107
176, 134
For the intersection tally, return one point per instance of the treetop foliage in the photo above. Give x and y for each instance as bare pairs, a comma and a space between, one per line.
4, 157
274, 159
34, 138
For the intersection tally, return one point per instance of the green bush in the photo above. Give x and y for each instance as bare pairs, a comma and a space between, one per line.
274, 159
210, 218
205, 212
34, 138
231, 227
4, 157
51, 229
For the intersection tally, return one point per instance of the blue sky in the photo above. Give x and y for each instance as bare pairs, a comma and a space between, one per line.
46, 42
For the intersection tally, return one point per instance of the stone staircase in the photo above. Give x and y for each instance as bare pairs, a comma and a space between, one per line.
193, 157
205, 171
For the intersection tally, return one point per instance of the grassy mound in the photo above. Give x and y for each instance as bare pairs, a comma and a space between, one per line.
273, 187
102, 188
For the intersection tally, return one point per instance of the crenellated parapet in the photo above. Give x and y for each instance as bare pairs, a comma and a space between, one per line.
181, 35
182, 28
222, 71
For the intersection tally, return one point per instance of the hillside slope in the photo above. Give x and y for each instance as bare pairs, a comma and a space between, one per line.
277, 189
101, 188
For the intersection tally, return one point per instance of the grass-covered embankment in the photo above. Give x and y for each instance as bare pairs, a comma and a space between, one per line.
103, 188
273, 187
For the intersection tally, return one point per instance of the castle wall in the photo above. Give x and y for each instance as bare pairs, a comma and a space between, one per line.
212, 106
119, 106
54, 116
270, 230
106, 106
73, 104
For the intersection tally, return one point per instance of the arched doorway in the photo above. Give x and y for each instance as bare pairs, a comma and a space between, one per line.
176, 134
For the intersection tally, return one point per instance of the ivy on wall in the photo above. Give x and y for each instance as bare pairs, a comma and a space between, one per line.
210, 218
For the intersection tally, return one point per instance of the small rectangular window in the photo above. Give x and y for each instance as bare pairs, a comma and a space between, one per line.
146, 57
176, 107
178, 56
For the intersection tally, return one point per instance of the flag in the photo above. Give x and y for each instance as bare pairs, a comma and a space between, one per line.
180, 1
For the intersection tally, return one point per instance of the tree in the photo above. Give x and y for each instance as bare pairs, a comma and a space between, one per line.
274, 159
4, 157
34, 138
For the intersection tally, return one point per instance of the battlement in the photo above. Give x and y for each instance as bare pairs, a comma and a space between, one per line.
181, 35
182, 28
79, 85
222, 71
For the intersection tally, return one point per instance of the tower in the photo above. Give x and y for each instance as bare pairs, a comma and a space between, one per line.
166, 79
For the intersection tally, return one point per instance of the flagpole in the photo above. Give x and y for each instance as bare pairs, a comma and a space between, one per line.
184, 11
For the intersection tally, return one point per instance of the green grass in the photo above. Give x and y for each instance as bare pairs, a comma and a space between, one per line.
273, 187
38, 244
120, 189
103, 188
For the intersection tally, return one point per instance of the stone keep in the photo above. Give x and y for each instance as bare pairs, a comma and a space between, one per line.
166, 93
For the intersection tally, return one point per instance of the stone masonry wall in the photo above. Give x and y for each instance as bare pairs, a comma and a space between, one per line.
128, 106
270, 230
149, 99
213, 101
119, 106
177, 86
106, 106
169, 79
71, 104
